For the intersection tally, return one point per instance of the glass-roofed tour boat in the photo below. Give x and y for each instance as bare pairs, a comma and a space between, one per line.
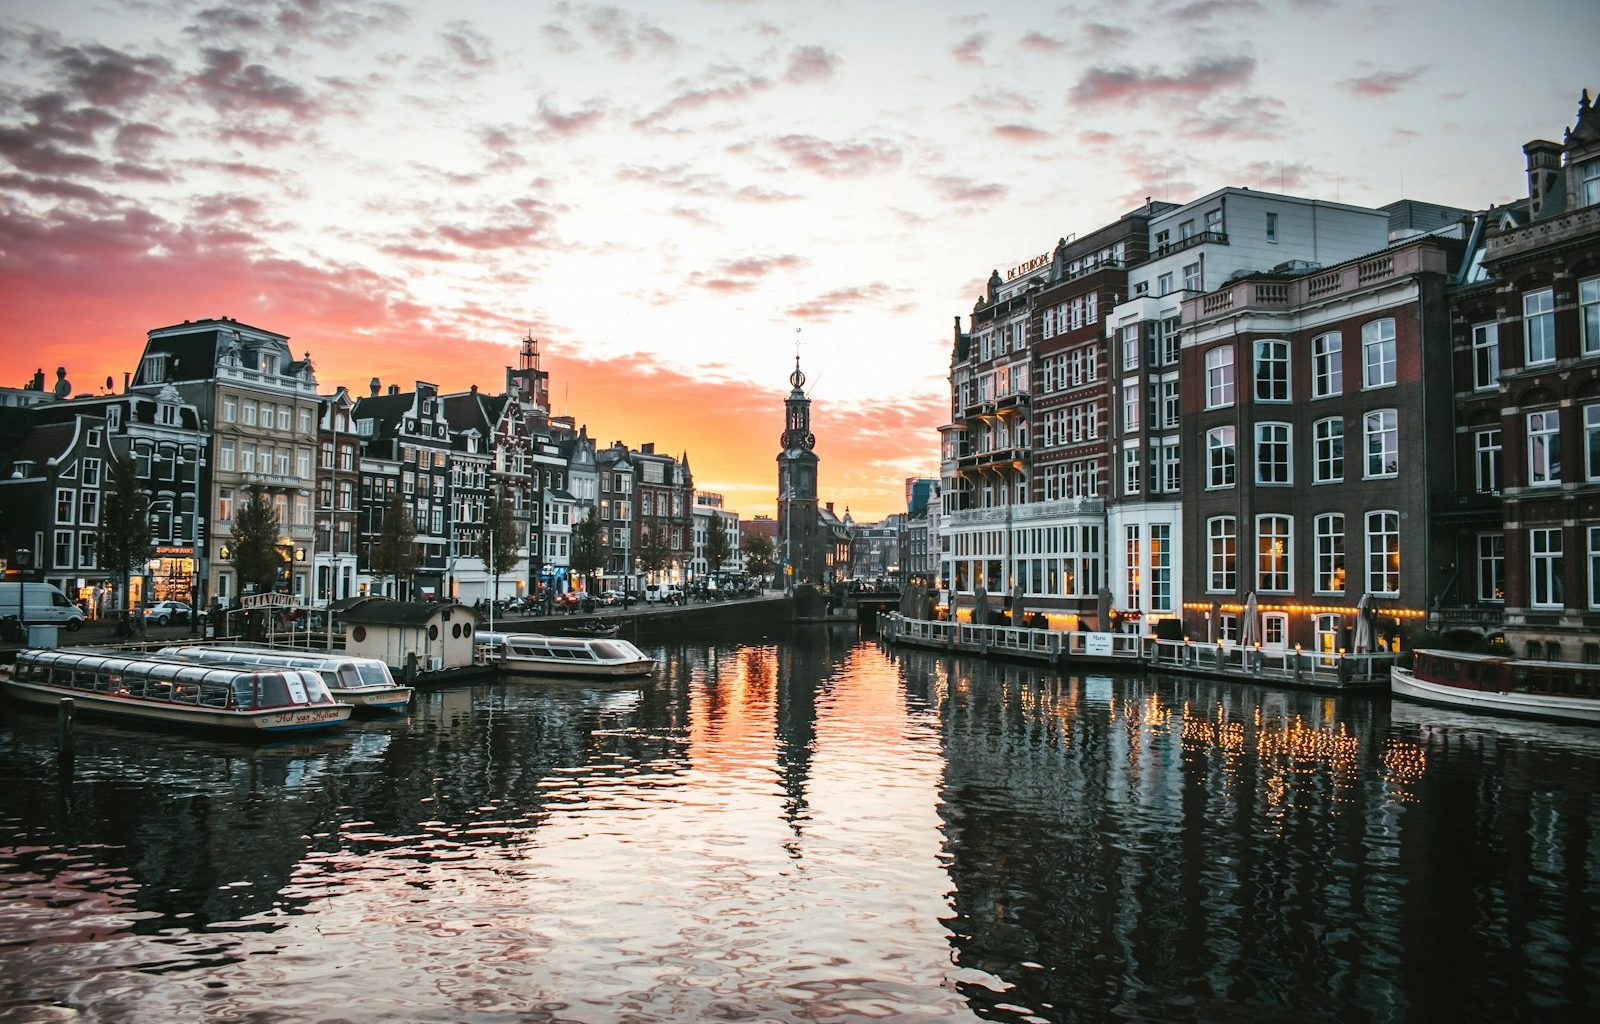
256, 701
362, 682
566, 656
1559, 690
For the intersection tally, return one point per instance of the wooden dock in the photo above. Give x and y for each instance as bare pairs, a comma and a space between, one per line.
1071, 650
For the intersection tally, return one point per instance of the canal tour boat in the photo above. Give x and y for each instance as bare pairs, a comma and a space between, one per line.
171, 692
1559, 690
364, 683
566, 656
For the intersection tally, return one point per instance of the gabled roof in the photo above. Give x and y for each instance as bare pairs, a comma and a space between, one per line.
380, 612
42, 444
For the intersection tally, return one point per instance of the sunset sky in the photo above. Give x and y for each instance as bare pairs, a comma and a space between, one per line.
663, 193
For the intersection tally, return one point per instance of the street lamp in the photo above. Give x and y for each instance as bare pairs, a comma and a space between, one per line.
23, 557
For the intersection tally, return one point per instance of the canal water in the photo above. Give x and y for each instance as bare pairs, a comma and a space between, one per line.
812, 828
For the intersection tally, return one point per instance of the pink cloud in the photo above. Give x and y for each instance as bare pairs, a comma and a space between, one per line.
1021, 133
230, 84
1109, 86
810, 64
970, 49
837, 160
1381, 84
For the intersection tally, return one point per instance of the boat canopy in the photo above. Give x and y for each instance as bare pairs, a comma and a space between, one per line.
171, 680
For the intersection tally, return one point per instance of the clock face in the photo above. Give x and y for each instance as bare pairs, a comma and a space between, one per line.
811, 441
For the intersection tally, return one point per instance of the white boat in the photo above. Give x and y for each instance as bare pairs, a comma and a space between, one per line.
1558, 690
567, 656
364, 683
168, 691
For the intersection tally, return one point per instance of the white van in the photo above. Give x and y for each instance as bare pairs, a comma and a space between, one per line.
40, 603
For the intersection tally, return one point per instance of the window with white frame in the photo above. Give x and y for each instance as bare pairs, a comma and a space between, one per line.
88, 551
1589, 315
1130, 405
89, 508
1591, 442
1594, 566
1491, 567
1330, 568
64, 543
1167, 337
91, 472
1383, 552
1272, 371
1160, 567
64, 507
1272, 227
1547, 583
1170, 476
225, 504
1273, 452
1383, 444
1130, 347
1222, 546
1191, 276
1377, 354
1328, 458
1221, 456
1486, 451
1130, 471
1132, 575
1485, 356
1327, 365
1539, 326
1219, 377
1589, 176
1274, 551
1544, 448
1164, 284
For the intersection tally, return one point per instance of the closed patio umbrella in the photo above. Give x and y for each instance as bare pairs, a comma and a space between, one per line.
1248, 629
980, 605
1103, 611
1361, 640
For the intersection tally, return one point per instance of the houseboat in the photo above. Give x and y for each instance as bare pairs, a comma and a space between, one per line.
1559, 690
152, 690
364, 683
565, 656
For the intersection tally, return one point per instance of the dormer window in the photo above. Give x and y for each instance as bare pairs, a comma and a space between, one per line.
166, 414
155, 368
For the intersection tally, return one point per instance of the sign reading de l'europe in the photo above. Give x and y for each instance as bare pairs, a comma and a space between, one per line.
1028, 267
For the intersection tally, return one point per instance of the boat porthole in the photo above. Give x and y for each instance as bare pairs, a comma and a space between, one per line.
433, 632
358, 633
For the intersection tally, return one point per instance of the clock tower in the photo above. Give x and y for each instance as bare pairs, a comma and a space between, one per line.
799, 546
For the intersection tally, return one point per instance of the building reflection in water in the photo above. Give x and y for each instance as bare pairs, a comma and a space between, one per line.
1166, 848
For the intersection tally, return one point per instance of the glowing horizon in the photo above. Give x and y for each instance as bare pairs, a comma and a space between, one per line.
662, 194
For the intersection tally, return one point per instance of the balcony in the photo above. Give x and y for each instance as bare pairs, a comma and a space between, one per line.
1008, 457
1463, 507
1543, 234
1467, 616
1214, 237
1019, 515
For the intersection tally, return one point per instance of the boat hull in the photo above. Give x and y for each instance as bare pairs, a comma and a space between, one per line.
1403, 683
576, 670
385, 699
271, 722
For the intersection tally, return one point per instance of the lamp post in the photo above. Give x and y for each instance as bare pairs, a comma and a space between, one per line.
23, 557
196, 563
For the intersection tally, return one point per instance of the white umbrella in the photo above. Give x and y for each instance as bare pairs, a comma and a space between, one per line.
1248, 628
1361, 641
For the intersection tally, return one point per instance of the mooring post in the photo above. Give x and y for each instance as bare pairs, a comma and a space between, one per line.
64, 720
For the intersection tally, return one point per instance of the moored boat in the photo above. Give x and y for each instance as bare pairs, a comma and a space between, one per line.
567, 656
259, 701
594, 629
1558, 690
364, 683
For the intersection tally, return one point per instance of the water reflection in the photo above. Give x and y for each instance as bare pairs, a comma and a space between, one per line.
812, 828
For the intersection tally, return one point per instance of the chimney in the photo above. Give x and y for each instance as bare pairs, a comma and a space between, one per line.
648, 448
474, 389
830, 508
376, 385
394, 389
1544, 166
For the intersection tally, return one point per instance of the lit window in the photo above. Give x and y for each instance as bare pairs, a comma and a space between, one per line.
1274, 543
1383, 553
1330, 553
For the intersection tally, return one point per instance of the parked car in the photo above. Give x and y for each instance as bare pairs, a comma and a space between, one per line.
610, 598
39, 603
165, 613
